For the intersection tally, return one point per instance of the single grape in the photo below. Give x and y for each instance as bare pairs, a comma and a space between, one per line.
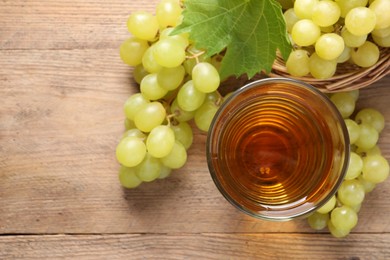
355, 166
160, 141
150, 116
351, 192
368, 152
367, 185
168, 12
318, 221
353, 130
297, 63
130, 151
343, 218
344, 102
183, 134
133, 104
352, 40
132, 50
381, 8
375, 168
366, 55
381, 32
149, 62
164, 172
305, 32
205, 114
326, 13
128, 177
291, 18
329, 46
168, 53
176, 158
304, 8
190, 98
345, 55
339, 233
205, 77
180, 114
368, 137
348, 5
328, 206
139, 73
354, 93
182, 38
320, 68
171, 78
134, 132
372, 117
143, 25
382, 41
360, 20
150, 88
149, 169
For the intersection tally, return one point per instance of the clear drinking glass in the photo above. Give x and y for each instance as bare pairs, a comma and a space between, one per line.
278, 149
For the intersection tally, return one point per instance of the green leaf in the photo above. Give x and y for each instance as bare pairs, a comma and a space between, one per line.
250, 30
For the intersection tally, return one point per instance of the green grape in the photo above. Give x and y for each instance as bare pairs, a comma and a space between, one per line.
326, 13
368, 152
149, 62
339, 233
354, 94
129, 124
291, 18
381, 8
343, 218
168, 12
183, 134
297, 63
205, 77
304, 8
143, 25
171, 78
366, 55
150, 88
352, 40
130, 151
351, 192
355, 166
305, 32
150, 116
328, 206
176, 158
368, 137
360, 20
344, 102
320, 68
381, 32
164, 172
132, 50
372, 117
375, 168
348, 5
190, 63
345, 55
318, 221
169, 53
205, 114
133, 104
329, 46
134, 132
128, 177
139, 73
190, 98
160, 141
353, 130
382, 41
368, 186
180, 114
213, 97
182, 38
149, 169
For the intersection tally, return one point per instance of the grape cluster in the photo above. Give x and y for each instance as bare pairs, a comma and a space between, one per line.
367, 167
178, 83
327, 33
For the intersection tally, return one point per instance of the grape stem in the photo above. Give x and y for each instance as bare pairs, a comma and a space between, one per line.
195, 55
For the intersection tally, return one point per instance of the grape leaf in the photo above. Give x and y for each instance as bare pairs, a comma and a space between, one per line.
250, 30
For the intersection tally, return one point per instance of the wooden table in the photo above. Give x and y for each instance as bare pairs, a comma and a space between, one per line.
62, 88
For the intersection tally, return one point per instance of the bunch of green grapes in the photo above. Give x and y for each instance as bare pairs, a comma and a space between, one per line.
327, 33
178, 83
367, 167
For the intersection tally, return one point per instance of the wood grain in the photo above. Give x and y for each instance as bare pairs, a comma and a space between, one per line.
62, 89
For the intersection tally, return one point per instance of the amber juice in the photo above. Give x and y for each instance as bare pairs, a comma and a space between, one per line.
277, 149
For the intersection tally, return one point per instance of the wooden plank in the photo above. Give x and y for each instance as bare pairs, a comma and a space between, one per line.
196, 246
60, 120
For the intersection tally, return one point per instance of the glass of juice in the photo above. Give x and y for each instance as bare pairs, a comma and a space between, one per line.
278, 149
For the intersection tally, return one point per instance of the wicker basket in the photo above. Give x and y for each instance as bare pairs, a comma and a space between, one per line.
347, 77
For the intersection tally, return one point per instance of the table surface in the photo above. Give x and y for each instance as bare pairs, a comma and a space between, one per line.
62, 88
